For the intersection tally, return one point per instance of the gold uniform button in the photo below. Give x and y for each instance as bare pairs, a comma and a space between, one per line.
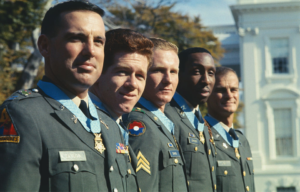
129, 171
209, 151
244, 173
225, 172
212, 168
175, 160
196, 148
215, 187
247, 188
188, 182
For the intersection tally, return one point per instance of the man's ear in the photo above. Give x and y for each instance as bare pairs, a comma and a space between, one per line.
44, 45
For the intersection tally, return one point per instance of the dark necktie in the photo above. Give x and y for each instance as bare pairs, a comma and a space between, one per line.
233, 134
84, 109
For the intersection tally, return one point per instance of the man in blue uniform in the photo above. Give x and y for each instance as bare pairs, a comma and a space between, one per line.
52, 138
196, 81
234, 159
160, 164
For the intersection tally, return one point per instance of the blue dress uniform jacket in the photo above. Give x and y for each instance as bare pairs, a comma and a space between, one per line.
200, 158
45, 129
233, 174
156, 169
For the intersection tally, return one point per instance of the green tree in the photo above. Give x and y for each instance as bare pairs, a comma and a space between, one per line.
18, 21
158, 20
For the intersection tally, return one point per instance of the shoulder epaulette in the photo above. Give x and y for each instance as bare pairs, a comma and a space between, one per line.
138, 109
23, 94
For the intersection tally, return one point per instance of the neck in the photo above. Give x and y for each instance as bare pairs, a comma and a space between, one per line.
162, 108
227, 120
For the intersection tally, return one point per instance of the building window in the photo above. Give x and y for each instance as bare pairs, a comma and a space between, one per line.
279, 54
283, 132
286, 189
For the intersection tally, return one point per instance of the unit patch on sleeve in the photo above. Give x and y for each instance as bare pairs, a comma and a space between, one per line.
136, 128
8, 132
143, 163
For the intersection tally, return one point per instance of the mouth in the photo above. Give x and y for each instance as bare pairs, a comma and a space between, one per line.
128, 96
205, 92
87, 66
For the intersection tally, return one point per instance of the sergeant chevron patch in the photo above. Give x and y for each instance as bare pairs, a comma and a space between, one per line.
136, 128
143, 163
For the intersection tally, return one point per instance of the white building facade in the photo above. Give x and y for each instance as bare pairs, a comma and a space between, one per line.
269, 53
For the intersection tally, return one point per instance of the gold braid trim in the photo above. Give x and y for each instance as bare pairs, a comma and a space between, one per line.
210, 134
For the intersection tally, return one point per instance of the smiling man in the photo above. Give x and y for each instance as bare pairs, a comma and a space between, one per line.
53, 138
234, 159
160, 164
127, 58
196, 81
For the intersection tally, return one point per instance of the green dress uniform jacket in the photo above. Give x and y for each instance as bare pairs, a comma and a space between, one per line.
47, 132
233, 174
200, 158
157, 170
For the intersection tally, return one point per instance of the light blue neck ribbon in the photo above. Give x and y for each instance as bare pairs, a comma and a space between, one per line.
162, 117
91, 125
198, 125
226, 136
101, 106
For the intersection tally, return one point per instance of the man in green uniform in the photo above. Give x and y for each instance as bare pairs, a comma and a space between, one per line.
234, 160
160, 164
123, 79
196, 81
52, 138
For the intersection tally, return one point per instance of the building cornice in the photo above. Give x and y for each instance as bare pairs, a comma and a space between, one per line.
240, 9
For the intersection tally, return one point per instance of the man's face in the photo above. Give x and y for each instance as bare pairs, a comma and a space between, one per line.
197, 80
162, 78
123, 83
76, 53
224, 99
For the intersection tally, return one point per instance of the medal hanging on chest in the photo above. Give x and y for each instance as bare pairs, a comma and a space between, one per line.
201, 137
237, 154
99, 146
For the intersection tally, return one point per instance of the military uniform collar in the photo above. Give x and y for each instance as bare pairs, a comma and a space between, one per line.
222, 124
190, 105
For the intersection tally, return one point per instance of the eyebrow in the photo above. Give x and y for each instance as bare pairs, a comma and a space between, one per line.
68, 34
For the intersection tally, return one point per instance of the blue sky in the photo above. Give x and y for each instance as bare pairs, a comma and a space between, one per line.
212, 12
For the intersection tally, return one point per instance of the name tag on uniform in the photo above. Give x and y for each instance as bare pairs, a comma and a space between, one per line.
174, 153
194, 141
72, 156
224, 163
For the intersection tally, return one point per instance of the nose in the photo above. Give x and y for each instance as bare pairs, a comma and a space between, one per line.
229, 93
89, 48
132, 82
205, 78
167, 78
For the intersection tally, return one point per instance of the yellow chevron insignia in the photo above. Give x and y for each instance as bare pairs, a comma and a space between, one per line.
143, 163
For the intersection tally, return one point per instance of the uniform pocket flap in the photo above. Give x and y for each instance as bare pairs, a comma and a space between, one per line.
225, 171
171, 157
70, 161
122, 165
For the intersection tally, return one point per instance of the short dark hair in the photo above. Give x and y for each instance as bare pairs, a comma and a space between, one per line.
221, 71
52, 20
125, 40
183, 55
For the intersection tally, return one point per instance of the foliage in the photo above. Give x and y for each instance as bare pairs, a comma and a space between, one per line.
160, 21
18, 18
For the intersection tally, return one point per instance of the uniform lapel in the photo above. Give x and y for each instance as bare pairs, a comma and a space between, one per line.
219, 144
110, 145
160, 125
184, 118
74, 125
